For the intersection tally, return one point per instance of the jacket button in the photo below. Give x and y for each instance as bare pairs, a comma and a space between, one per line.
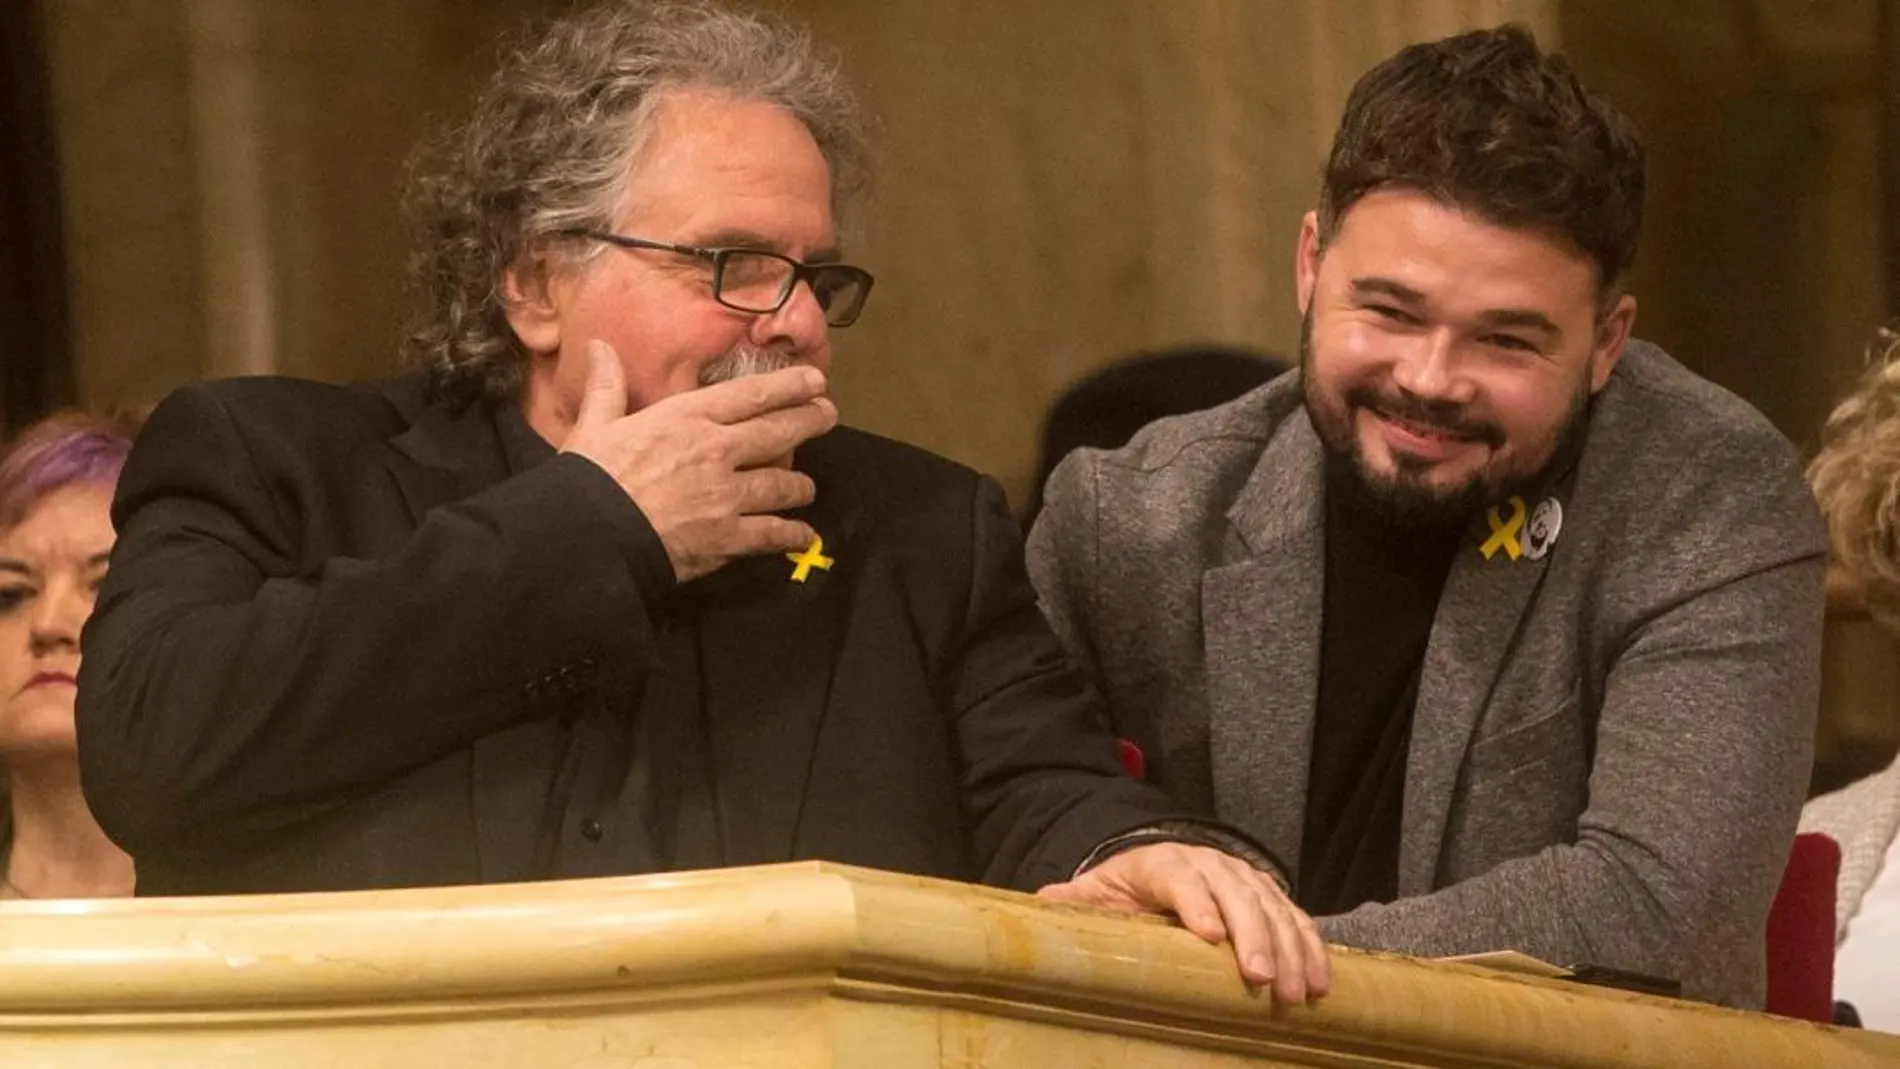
591, 830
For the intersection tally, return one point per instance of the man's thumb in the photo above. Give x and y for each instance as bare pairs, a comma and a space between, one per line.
1066, 892
604, 398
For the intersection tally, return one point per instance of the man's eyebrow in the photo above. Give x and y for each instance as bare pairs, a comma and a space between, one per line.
1378, 286
735, 239
1515, 318
1522, 319
752, 239
102, 557
8, 564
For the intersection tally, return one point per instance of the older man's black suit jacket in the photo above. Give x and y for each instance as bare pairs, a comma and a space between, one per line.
341, 646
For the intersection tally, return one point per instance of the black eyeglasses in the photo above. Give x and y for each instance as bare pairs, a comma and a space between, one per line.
757, 281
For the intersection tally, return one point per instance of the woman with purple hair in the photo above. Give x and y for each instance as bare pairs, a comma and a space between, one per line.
56, 484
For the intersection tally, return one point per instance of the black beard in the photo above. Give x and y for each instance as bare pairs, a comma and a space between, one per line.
1405, 498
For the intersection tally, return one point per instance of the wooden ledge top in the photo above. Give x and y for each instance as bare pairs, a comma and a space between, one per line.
854, 932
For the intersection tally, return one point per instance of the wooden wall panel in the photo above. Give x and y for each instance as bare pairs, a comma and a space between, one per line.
1763, 263
230, 172
120, 79
1061, 184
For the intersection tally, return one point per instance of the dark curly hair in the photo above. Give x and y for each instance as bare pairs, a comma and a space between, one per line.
1487, 123
552, 145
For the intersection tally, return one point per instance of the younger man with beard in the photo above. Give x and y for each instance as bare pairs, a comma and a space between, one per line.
1500, 629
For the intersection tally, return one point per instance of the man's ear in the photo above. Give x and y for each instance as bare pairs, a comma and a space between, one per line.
1613, 333
1306, 257
527, 297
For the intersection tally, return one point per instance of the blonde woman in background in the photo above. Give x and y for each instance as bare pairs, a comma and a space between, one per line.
1856, 477
56, 484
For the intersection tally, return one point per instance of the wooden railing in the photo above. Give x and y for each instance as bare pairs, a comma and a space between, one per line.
785, 966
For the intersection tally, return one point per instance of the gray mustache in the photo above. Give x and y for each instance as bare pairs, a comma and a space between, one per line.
743, 361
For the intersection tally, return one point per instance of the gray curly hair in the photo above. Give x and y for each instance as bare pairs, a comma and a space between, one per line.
552, 145
1856, 479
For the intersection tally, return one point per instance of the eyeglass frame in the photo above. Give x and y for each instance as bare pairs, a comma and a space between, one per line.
717, 256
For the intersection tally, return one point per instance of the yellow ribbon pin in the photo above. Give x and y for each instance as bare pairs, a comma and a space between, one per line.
1504, 532
813, 557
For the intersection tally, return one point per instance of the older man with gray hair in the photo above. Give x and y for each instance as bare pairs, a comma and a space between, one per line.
602, 588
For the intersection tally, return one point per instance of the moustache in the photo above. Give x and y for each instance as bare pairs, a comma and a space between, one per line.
743, 360
1449, 420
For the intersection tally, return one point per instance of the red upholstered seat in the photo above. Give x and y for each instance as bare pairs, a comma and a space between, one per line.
1132, 758
1801, 931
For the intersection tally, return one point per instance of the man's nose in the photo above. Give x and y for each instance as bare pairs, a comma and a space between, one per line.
799, 323
1429, 369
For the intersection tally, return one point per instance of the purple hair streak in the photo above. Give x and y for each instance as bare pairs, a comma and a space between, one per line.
61, 450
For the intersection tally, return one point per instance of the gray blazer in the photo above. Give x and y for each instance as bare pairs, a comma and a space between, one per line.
1611, 742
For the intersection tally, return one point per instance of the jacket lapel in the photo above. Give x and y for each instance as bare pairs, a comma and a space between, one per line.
1261, 638
768, 648
1479, 616
438, 459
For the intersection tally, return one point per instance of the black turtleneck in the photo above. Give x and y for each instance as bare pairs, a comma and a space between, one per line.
1382, 586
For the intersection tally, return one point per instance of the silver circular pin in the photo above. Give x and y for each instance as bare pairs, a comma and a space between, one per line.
1541, 532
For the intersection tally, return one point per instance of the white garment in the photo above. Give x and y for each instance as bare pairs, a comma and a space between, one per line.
1863, 817
1867, 962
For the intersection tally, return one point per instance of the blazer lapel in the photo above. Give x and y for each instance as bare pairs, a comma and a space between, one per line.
768, 647
1479, 616
439, 459
1261, 638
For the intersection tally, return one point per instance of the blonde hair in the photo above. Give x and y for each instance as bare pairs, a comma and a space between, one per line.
1856, 479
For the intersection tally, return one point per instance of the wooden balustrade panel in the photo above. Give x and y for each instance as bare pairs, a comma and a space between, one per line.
787, 966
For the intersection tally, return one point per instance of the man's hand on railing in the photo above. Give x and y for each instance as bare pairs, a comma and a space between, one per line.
1217, 897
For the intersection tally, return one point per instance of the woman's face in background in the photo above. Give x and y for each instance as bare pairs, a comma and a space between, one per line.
51, 564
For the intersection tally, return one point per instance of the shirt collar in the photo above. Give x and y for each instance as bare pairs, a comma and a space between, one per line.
521, 447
